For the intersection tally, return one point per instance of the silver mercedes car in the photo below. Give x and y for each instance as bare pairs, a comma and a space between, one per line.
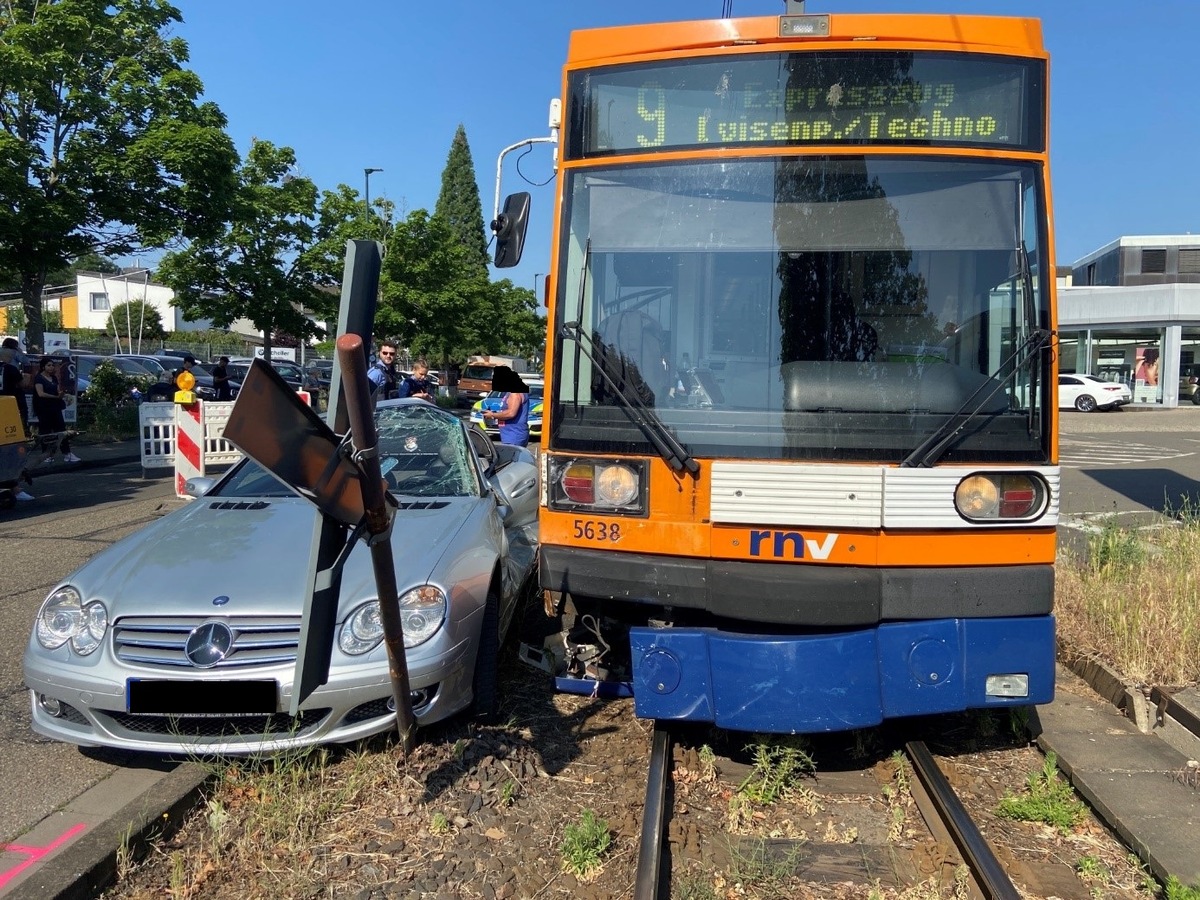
183, 637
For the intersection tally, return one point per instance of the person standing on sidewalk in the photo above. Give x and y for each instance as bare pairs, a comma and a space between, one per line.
12, 384
48, 406
220, 377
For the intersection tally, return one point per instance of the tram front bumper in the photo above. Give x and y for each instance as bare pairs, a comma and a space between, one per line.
839, 681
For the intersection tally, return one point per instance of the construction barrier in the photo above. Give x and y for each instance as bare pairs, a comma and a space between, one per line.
189, 444
159, 429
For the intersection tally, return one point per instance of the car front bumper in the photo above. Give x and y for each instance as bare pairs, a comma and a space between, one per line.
353, 704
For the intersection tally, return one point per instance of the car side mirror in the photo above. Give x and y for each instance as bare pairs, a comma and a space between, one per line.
198, 486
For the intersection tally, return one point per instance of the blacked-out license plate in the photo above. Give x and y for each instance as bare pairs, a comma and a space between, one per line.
200, 698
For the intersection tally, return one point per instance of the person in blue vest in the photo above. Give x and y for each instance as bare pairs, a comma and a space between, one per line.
417, 384
383, 375
513, 415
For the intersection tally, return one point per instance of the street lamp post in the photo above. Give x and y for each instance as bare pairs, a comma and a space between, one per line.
367, 190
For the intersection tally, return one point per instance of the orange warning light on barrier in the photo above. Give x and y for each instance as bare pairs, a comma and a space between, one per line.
185, 381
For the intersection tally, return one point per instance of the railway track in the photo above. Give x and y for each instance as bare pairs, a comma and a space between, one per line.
950, 832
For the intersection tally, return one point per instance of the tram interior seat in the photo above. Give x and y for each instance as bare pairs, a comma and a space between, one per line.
876, 387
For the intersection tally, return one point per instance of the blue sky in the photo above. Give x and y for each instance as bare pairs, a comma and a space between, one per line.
385, 83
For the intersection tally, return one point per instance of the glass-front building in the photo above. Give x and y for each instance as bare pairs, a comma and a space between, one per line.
1131, 313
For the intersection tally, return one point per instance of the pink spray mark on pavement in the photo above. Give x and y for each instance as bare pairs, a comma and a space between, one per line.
34, 855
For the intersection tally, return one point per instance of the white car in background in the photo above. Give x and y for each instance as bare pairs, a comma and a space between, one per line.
1088, 393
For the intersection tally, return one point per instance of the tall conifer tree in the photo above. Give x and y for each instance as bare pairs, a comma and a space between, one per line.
458, 203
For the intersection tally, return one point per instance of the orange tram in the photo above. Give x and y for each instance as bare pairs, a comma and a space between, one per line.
799, 459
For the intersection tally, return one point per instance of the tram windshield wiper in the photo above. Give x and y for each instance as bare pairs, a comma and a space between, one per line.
667, 445
931, 449
1030, 313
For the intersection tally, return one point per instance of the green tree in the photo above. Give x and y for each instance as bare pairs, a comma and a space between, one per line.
430, 294
340, 219
64, 275
51, 320
458, 202
133, 322
104, 144
515, 327
264, 266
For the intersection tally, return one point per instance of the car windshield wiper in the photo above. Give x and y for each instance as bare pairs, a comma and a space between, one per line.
931, 449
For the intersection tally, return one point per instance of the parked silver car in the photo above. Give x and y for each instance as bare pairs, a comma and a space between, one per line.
183, 637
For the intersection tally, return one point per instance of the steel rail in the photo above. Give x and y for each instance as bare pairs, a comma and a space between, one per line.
654, 817
989, 874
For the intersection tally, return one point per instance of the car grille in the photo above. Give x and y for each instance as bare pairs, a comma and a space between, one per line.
159, 640
275, 725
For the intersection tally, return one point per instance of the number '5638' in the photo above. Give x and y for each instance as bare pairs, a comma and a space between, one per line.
597, 531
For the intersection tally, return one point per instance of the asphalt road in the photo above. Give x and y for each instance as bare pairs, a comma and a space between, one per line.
76, 514
1142, 465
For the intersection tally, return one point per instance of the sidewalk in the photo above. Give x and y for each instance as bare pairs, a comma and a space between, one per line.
93, 455
1144, 789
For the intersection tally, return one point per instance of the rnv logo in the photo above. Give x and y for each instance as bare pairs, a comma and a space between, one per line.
790, 545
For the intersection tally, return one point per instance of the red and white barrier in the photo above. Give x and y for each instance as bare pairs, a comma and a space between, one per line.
189, 444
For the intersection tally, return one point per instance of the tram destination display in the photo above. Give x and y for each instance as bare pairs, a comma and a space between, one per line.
905, 98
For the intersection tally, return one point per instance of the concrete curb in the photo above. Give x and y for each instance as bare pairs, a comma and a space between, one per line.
1124, 695
85, 867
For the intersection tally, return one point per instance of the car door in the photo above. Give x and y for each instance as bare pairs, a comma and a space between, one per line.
1069, 387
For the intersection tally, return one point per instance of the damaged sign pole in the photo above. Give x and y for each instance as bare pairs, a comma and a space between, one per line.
378, 520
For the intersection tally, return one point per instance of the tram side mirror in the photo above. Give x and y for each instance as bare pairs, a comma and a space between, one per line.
510, 228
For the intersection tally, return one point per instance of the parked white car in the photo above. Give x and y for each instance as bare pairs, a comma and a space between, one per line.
1088, 393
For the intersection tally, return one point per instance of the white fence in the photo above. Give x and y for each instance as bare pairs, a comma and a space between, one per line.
157, 421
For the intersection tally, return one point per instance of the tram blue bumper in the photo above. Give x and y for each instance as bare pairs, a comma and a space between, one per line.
834, 682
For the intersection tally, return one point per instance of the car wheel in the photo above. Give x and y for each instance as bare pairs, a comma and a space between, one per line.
1196, 399
1085, 403
487, 663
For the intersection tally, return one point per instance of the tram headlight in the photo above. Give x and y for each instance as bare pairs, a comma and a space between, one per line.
1008, 496
617, 486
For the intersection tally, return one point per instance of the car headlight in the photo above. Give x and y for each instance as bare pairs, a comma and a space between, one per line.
64, 617
422, 611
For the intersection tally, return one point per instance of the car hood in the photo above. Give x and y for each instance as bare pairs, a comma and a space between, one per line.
253, 552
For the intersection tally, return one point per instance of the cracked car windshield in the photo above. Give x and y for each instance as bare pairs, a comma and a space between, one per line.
422, 451
803, 308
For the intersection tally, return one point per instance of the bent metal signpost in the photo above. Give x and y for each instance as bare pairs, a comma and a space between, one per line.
341, 476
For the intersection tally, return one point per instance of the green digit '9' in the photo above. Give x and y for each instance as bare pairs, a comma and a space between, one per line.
657, 115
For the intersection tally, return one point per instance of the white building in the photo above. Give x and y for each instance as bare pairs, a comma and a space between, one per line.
1134, 299
96, 295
